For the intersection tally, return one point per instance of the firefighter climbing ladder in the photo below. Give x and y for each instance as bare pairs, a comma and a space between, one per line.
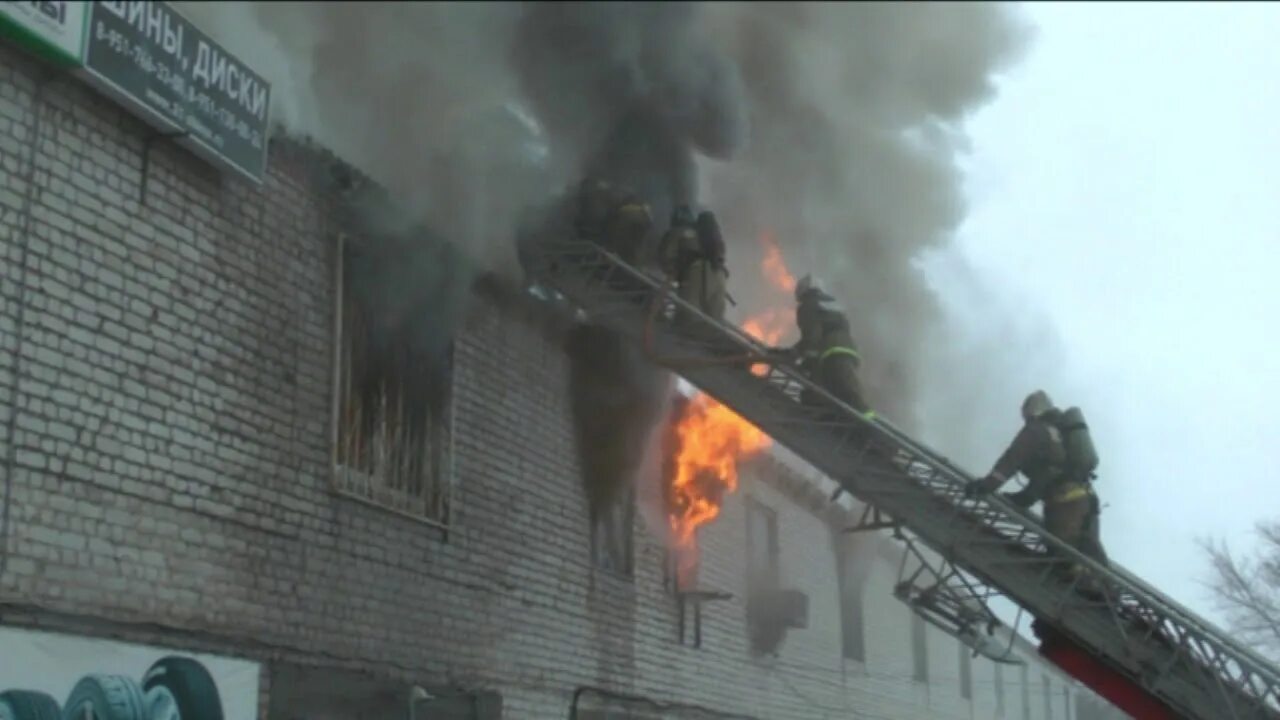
988, 547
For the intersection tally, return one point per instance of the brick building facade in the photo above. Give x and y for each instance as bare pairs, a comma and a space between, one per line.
169, 374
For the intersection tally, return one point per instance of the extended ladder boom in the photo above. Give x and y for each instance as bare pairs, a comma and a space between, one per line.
1175, 656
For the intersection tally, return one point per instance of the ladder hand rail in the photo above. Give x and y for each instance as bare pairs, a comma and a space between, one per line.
880, 425
1147, 603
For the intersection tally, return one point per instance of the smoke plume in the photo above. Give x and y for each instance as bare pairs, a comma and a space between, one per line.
628, 93
834, 126
855, 111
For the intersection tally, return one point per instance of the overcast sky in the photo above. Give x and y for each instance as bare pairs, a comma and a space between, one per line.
1121, 188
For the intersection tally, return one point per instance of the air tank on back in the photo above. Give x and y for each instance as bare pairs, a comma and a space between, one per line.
1082, 456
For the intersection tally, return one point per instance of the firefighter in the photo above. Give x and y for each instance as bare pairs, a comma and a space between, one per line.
628, 226
595, 201
708, 275
826, 350
1053, 450
686, 254
677, 245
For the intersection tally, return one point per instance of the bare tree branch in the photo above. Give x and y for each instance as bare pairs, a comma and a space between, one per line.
1247, 590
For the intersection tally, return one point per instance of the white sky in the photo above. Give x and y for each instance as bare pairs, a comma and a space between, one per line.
1122, 188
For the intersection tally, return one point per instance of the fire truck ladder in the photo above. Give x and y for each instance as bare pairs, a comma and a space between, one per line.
1132, 629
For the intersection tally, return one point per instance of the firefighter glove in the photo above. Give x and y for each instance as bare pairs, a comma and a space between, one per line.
984, 486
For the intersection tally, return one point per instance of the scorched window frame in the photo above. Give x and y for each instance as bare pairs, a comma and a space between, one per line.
432, 503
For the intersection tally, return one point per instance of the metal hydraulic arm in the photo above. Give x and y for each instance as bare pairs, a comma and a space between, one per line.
1131, 628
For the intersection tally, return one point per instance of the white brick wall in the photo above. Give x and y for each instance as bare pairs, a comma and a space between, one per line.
171, 450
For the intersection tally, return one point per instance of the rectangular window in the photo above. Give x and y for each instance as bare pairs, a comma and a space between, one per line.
853, 641
762, 575
611, 541
762, 545
966, 672
999, 682
919, 649
1048, 698
851, 580
393, 416
1026, 694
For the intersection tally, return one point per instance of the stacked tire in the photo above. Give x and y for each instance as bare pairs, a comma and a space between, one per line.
179, 688
105, 697
28, 705
173, 688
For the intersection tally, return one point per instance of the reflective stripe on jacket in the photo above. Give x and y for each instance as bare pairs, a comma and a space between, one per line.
1069, 492
839, 350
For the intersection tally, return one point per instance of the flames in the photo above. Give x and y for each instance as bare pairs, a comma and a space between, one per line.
710, 439
771, 325
775, 270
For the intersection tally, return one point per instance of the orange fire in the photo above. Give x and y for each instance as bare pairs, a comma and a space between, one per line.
770, 325
712, 439
775, 270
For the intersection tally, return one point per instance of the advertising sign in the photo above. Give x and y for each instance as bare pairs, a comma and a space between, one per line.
45, 675
54, 30
154, 61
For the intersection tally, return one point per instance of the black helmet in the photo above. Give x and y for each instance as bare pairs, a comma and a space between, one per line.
1036, 404
811, 287
681, 216
707, 223
710, 238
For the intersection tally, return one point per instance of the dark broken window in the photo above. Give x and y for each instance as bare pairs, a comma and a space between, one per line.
611, 545
394, 375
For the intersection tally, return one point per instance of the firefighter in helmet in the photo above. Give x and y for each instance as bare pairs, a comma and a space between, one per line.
595, 201
627, 227
826, 351
691, 253
1055, 453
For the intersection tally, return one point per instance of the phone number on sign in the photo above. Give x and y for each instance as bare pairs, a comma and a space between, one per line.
167, 77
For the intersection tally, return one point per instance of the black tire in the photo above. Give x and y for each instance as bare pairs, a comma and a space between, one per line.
110, 697
192, 687
29, 705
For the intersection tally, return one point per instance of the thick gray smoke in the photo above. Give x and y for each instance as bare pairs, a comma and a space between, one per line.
420, 96
835, 127
629, 92
855, 112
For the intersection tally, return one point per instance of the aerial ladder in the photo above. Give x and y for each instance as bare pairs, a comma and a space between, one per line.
1124, 639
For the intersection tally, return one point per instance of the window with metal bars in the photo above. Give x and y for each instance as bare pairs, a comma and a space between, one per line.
393, 424
611, 541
